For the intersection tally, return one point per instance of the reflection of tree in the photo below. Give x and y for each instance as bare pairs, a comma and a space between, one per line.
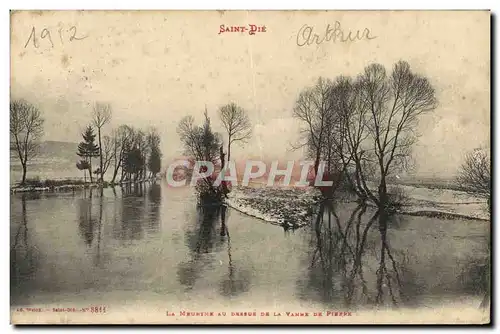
236, 281
21, 253
474, 277
200, 241
132, 213
86, 223
90, 224
391, 279
204, 240
337, 271
154, 200
99, 228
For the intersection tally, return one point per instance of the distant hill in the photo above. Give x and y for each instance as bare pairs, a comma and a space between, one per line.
59, 148
57, 152
55, 160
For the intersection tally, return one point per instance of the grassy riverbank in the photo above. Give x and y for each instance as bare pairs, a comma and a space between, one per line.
294, 207
288, 207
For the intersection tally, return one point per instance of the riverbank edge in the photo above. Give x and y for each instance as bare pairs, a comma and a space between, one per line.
232, 202
72, 186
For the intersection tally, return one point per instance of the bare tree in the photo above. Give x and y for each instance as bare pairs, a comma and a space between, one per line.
237, 124
189, 134
313, 108
100, 117
107, 152
200, 142
350, 133
141, 144
394, 104
26, 129
121, 138
366, 126
154, 157
475, 173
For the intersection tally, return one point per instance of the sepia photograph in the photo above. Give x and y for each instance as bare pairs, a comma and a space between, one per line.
250, 167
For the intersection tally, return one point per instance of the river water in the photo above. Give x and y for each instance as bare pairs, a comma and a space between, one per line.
152, 245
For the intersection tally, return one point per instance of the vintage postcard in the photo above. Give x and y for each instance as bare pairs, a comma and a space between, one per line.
250, 167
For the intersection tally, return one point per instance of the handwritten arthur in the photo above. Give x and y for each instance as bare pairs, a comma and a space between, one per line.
307, 35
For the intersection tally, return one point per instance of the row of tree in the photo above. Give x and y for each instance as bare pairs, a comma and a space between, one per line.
364, 128
129, 152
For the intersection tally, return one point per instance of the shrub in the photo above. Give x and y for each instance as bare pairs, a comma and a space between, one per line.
33, 182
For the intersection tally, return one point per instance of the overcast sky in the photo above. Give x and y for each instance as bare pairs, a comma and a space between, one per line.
156, 67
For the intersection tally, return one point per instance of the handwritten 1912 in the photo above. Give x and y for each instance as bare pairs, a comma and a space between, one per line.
64, 34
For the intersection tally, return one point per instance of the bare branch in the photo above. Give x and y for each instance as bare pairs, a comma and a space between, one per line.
101, 114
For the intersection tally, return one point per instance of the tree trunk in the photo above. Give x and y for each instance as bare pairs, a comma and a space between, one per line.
317, 160
222, 158
382, 194
229, 150
316, 165
115, 173
100, 154
24, 173
329, 166
90, 169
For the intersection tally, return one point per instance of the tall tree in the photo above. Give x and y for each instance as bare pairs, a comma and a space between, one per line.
133, 163
201, 143
107, 153
313, 108
140, 143
350, 139
121, 138
237, 124
100, 117
26, 129
87, 149
370, 121
154, 161
394, 104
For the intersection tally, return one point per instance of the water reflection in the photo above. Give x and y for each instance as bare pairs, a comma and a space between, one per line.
352, 263
352, 258
129, 214
204, 242
90, 221
87, 224
22, 263
201, 239
237, 280
131, 218
154, 203
336, 263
